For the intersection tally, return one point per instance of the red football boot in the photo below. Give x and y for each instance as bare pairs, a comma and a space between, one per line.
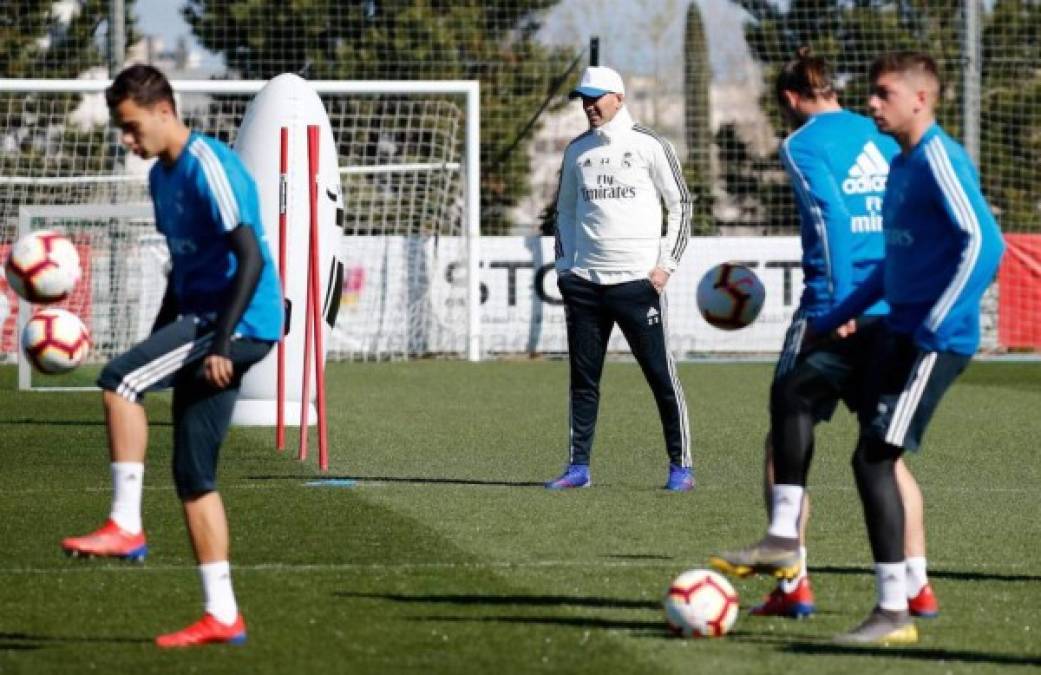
110, 541
207, 630
797, 604
924, 604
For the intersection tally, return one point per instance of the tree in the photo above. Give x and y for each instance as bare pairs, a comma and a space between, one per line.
36, 42
404, 39
698, 125
37, 139
1010, 124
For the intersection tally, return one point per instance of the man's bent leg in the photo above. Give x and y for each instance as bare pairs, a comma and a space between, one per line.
148, 366
127, 427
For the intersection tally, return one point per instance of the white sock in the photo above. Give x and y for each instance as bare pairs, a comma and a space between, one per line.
916, 576
216, 587
891, 580
127, 479
787, 502
789, 585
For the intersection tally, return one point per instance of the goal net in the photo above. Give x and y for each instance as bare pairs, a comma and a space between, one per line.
402, 150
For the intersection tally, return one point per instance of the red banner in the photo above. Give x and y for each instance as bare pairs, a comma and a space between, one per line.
1019, 293
78, 302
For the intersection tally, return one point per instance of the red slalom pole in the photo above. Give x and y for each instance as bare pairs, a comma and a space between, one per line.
312, 299
283, 197
314, 291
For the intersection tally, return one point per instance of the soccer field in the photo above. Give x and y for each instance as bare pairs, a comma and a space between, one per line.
444, 554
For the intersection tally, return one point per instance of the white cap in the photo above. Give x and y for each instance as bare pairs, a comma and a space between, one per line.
597, 81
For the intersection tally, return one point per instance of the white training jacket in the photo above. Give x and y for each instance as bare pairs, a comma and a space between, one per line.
613, 181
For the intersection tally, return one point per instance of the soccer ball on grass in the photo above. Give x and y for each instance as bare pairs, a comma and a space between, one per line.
700, 603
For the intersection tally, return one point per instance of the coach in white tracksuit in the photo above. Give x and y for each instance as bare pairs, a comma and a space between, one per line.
613, 263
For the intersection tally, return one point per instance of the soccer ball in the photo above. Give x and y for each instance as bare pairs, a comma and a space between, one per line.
730, 296
55, 340
700, 603
43, 267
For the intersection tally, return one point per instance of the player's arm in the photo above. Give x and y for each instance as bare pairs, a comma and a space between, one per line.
870, 291
668, 180
249, 263
981, 246
567, 195
819, 194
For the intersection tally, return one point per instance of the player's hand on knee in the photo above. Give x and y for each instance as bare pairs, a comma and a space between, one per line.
218, 370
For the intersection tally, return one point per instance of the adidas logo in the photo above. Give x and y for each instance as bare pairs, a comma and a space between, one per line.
869, 173
653, 316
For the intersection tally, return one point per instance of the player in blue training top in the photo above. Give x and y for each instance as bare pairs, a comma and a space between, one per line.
838, 163
221, 314
943, 248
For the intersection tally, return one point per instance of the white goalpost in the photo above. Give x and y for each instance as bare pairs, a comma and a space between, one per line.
408, 153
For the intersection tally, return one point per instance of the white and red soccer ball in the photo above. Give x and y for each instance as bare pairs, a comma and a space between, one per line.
730, 296
55, 340
43, 267
700, 603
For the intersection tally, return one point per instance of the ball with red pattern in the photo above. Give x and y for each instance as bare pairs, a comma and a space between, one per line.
700, 603
43, 267
730, 296
55, 340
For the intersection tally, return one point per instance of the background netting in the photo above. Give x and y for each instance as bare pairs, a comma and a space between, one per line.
698, 72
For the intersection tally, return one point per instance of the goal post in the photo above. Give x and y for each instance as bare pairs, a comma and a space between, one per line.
408, 153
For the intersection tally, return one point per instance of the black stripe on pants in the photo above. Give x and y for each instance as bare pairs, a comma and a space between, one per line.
591, 311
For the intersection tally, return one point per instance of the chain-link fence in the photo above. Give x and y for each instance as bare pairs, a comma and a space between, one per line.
697, 72
700, 73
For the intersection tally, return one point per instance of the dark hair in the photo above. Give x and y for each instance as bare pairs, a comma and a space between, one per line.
807, 75
911, 63
142, 84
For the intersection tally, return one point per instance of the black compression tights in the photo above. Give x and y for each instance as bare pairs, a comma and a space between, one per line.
874, 465
793, 399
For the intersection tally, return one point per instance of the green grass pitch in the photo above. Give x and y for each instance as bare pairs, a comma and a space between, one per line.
446, 555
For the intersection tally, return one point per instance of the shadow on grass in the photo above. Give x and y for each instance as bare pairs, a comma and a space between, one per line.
637, 556
413, 481
31, 642
947, 655
933, 574
640, 627
33, 421
472, 599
